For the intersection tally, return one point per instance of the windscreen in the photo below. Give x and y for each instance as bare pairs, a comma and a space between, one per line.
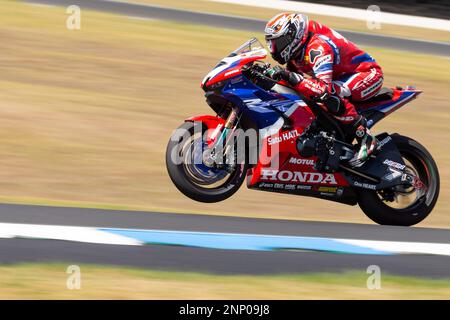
250, 45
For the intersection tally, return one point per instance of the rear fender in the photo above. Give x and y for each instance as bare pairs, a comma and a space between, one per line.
211, 124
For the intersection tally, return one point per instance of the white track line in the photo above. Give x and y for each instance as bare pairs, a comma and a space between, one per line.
136, 237
78, 234
348, 13
397, 247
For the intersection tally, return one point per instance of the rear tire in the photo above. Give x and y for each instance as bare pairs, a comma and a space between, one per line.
188, 179
422, 161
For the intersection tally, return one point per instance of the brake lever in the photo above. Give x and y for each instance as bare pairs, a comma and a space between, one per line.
253, 72
270, 80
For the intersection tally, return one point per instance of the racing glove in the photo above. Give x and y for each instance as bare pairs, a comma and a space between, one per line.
278, 73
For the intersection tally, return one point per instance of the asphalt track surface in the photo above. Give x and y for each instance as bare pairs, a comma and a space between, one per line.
240, 23
216, 261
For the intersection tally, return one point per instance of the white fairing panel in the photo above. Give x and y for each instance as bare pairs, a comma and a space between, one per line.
284, 90
227, 62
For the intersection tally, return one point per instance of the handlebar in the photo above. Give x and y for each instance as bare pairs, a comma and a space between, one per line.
255, 72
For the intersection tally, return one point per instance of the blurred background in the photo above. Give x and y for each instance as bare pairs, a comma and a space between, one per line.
85, 114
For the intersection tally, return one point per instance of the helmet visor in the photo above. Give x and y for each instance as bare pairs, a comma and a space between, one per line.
277, 46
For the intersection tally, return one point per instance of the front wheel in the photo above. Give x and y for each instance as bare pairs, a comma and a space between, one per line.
184, 162
405, 206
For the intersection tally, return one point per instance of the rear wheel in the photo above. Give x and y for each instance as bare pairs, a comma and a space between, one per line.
184, 162
405, 206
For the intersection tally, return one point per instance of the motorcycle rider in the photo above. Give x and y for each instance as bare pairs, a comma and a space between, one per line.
340, 72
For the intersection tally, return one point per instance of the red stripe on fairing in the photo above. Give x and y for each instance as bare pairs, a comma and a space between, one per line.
400, 102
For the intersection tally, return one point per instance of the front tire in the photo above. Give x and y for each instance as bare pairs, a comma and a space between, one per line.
421, 161
193, 178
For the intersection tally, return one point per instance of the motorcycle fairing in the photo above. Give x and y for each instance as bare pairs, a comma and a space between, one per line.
386, 168
281, 169
399, 98
375, 110
230, 67
296, 175
212, 125
262, 108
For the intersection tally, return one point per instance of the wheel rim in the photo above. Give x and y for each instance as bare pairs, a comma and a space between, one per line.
197, 172
404, 198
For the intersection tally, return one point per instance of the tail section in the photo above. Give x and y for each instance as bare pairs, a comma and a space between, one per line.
387, 101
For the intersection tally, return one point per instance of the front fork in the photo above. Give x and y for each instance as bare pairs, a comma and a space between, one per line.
223, 145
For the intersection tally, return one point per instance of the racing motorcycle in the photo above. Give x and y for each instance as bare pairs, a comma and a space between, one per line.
295, 147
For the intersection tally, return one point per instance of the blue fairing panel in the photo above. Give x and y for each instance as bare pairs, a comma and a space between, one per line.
259, 105
392, 104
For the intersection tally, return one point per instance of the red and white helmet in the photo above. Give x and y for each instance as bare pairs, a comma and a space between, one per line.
286, 34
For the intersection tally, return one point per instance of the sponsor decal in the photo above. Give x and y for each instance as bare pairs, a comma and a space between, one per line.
313, 54
232, 72
365, 185
236, 80
393, 175
283, 137
314, 87
308, 162
297, 176
330, 191
258, 103
265, 185
372, 88
321, 61
289, 186
384, 141
394, 164
345, 119
327, 189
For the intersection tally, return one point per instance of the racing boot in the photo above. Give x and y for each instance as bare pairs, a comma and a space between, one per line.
366, 141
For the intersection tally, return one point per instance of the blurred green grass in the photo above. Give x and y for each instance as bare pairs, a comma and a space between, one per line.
48, 281
85, 115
